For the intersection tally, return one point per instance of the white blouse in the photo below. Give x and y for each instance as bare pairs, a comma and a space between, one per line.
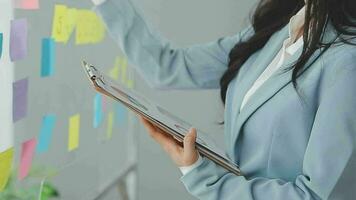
290, 46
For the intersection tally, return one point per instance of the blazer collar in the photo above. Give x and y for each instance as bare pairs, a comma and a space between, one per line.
273, 85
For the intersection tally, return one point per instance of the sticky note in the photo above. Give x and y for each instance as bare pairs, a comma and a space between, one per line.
114, 72
130, 83
45, 136
105, 103
1, 38
27, 151
123, 71
110, 124
70, 22
74, 127
48, 57
20, 92
26, 4
18, 39
98, 110
121, 114
89, 28
83, 27
63, 23
130, 80
6, 158
59, 23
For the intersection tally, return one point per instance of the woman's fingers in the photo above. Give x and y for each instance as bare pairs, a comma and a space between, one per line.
190, 153
189, 141
148, 125
168, 143
182, 156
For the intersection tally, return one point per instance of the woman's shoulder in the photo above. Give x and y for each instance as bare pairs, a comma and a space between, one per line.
340, 54
338, 62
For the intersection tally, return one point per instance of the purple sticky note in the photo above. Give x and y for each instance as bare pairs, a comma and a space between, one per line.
18, 39
19, 97
27, 151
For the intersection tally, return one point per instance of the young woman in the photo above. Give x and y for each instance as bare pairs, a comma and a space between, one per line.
288, 84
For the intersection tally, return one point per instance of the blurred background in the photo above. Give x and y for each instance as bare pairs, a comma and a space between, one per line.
66, 138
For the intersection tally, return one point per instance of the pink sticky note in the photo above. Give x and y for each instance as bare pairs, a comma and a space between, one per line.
26, 4
27, 151
18, 39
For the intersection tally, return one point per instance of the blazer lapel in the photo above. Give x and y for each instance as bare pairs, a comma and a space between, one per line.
266, 55
272, 85
246, 80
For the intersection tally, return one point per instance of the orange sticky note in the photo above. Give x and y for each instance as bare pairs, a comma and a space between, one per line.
74, 128
6, 158
27, 151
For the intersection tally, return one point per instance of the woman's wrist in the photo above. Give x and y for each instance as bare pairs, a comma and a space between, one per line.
186, 169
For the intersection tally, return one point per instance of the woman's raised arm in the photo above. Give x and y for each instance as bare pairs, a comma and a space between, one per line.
161, 65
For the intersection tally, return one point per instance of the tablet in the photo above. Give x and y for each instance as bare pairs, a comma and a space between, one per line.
158, 116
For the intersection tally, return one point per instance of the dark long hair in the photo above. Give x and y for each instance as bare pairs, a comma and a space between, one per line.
272, 15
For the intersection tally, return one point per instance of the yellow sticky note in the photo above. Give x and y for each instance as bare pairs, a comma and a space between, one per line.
97, 28
123, 70
110, 124
130, 83
59, 32
89, 27
70, 22
64, 22
74, 128
80, 34
114, 72
6, 158
130, 79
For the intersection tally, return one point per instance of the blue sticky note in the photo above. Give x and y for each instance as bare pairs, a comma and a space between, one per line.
1, 36
45, 136
98, 110
48, 57
121, 114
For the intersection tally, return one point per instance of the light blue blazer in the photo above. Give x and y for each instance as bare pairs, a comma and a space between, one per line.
287, 148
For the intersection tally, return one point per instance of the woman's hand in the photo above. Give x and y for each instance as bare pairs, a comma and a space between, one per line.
182, 156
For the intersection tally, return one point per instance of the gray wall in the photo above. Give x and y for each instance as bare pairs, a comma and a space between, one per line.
185, 22
85, 171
